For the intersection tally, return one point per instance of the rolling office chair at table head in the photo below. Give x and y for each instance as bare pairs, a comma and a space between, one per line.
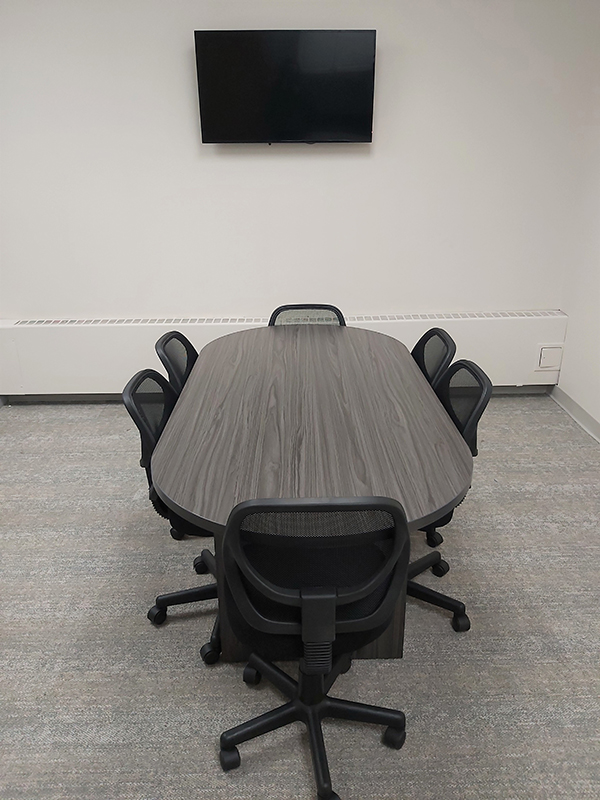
149, 398
464, 390
434, 353
312, 580
307, 314
178, 356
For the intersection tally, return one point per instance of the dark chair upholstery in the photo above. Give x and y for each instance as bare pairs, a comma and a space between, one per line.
312, 581
307, 314
464, 390
149, 398
434, 353
178, 356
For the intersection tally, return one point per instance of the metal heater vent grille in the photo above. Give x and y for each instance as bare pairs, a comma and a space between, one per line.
437, 317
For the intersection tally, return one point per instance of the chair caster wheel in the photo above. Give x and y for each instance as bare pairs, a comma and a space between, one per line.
346, 667
177, 534
394, 737
157, 615
251, 676
461, 623
210, 655
199, 566
440, 569
434, 539
230, 759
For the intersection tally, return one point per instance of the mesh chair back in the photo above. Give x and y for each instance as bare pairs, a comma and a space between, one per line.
465, 390
278, 553
434, 353
178, 356
149, 398
307, 314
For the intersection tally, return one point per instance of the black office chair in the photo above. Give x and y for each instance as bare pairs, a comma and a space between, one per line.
312, 580
178, 356
149, 398
434, 353
203, 564
464, 390
307, 314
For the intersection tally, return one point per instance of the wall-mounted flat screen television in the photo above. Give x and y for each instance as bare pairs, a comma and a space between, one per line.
286, 86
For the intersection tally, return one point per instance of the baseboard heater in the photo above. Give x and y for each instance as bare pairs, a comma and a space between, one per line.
98, 356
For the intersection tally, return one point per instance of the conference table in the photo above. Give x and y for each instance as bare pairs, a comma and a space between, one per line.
295, 411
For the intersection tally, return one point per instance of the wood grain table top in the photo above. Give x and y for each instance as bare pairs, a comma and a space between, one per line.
308, 411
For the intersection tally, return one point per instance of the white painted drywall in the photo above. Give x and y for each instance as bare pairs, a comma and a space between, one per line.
469, 198
112, 207
580, 373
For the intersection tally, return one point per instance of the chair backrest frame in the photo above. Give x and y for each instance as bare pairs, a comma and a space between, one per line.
420, 356
177, 377
394, 569
468, 427
307, 306
149, 434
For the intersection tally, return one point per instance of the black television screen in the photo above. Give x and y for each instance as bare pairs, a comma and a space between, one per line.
286, 86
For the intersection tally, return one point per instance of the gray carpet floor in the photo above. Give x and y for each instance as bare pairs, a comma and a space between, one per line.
97, 703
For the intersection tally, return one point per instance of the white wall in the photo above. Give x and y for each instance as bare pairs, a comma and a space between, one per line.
112, 207
475, 194
580, 374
